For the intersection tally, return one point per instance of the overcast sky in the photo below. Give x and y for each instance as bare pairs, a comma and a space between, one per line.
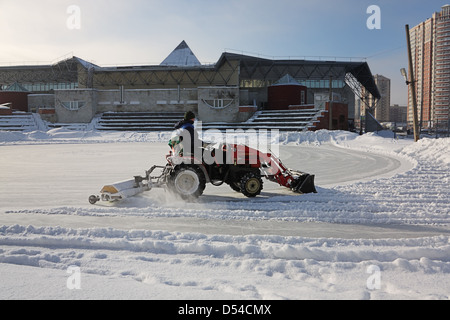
109, 32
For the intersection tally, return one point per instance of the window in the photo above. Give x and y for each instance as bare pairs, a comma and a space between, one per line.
218, 103
73, 105
45, 87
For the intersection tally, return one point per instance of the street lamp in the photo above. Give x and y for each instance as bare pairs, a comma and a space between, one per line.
405, 75
411, 85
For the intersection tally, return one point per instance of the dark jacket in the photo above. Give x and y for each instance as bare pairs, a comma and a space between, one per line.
187, 131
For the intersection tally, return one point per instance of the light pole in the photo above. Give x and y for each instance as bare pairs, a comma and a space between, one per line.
413, 94
412, 85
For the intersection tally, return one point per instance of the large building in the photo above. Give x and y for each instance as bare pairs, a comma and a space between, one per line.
230, 90
430, 45
380, 108
398, 114
382, 111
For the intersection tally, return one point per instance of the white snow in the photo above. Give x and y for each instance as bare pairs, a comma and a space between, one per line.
377, 229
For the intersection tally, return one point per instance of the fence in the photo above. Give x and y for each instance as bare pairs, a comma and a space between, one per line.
438, 129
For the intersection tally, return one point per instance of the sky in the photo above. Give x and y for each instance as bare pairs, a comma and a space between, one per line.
108, 32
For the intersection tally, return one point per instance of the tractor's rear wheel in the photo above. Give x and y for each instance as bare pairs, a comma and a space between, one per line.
251, 184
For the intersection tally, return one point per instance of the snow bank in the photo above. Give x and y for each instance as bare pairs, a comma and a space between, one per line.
222, 246
164, 265
63, 135
430, 150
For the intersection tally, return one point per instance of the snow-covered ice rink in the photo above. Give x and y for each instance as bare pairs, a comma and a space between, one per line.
377, 229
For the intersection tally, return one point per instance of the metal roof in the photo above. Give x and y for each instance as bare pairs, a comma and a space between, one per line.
250, 68
272, 70
181, 56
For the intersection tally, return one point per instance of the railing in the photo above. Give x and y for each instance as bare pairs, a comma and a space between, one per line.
294, 57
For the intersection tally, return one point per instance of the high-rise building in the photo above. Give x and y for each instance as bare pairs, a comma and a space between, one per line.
430, 46
384, 104
398, 114
379, 108
442, 88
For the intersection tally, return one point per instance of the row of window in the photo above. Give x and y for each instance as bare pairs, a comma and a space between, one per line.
312, 84
45, 87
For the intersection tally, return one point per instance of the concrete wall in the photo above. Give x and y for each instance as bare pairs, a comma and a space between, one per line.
44, 104
41, 101
211, 104
82, 115
218, 104
148, 100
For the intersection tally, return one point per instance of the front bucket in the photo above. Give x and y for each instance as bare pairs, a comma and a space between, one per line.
304, 184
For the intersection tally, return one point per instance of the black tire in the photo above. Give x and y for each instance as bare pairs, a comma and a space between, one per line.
93, 199
251, 184
188, 182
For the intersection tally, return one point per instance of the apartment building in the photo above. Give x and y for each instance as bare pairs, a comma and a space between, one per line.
430, 45
380, 108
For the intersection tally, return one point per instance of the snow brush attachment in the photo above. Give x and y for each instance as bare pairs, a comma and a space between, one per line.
120, 190
129, 188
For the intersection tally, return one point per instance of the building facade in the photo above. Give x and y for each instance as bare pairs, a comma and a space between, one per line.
74, 90
398, 114
430, 45
382, 109
442, 89
379, 108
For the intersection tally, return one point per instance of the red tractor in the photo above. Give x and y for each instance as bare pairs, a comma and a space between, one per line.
239, 166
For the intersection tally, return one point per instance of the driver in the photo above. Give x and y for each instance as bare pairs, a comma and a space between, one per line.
185, 139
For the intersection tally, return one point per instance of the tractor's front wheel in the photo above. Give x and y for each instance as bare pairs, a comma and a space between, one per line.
251, 184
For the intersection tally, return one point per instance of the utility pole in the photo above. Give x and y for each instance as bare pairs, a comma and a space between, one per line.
330, 105
412, 84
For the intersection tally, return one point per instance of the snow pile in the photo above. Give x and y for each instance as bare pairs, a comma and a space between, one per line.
65, 136
430, 150
163, 265
374, 238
